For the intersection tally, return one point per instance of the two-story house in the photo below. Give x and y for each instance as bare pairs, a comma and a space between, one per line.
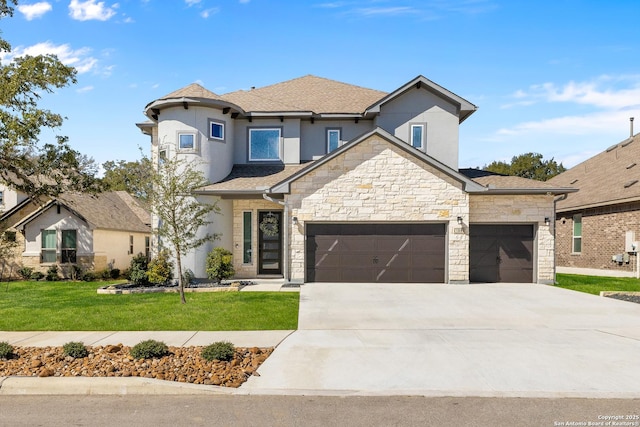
322, 181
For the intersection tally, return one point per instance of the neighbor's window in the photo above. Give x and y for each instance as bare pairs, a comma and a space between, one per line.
48, 253
417, 136
246, 237
187, 141
69, 246
264, 144
577, 234
147, 247
216, 130
130, 245
333, 139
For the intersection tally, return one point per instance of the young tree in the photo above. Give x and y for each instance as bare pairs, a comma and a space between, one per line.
180, 215
34, 169
132, 177
528, 165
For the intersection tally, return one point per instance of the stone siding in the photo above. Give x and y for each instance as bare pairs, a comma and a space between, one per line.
245, 271
522, 209
376, 181
603, 236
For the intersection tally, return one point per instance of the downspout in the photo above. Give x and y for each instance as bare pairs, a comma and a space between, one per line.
555, 245
285, 237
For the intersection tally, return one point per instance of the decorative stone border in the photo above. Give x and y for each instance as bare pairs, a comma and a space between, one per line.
126, 289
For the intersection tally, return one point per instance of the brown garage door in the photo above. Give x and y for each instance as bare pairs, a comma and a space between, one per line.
501, 253
400, 253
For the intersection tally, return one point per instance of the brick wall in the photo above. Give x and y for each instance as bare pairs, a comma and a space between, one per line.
603, 235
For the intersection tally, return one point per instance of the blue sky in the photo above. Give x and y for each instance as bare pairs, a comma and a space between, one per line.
558, 77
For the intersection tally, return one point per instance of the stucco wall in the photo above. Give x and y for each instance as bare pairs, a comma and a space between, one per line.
314, 135
249, 270
289, 139
376, 181
112, 247
522, 209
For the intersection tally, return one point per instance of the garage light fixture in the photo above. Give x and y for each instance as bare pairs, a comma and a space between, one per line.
294, 220
547, 220
460, 220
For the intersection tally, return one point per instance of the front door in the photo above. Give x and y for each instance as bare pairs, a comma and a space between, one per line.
270, 242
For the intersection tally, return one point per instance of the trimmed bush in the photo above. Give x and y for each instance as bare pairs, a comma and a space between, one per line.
188, 278
149, 349
25, 272
52, 273
6, 350
138, 270
37, 275
75, 349
115, 273
220, 264
219, 350
160, 269
89, 276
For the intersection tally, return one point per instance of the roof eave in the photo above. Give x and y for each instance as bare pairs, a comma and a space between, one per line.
597, 204
160, 104
525, 191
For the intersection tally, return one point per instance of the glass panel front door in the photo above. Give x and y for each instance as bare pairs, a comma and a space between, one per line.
270, 242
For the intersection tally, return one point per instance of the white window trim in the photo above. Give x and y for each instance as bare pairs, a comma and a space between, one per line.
251, 130
574, 236
329, 138
421, 126
219, 123
187, 150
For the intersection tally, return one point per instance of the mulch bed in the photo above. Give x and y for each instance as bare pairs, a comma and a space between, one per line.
625, 297
183, 364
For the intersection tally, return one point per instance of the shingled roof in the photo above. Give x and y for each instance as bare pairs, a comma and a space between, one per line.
251, 179
505, 183
611, 177
115, 210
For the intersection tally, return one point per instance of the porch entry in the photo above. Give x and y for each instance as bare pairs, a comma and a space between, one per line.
270, 242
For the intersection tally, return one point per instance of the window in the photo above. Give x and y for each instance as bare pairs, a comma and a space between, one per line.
577, 234
162, 155
417, 136
246, 237
187, 141
333, 139
216, 130
264, 144
147, 247
130, 245
69, 246
49, 246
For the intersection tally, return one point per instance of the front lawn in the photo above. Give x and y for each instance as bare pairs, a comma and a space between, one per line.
75, 306
595, 284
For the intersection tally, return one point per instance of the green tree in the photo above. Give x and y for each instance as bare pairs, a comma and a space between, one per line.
132, 177
26, 165
528, 165
180, 215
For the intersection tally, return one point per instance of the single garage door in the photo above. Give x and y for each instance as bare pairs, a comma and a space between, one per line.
400, 253
501, 253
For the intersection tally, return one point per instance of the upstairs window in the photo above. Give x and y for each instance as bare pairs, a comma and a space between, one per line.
417, 136
48, 246
264, 144
69, 246
187, 142
577, 234
216, 130
333, 139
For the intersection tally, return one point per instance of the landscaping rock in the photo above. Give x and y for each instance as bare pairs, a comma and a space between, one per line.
183, 364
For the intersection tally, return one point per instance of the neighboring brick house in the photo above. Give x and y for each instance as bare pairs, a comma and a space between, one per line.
91, 231
322, 181
596, 226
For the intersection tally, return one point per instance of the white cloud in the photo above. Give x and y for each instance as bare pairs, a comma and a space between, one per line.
386, 11
84, 89
80, 59
192, 2
90, 10
207, 13
35, 10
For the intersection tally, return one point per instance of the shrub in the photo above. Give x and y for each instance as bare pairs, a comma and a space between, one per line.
188, 278
89, 276
6, 350
220, 264
138, 270
115, 273
37, 275
52, 273
76, 272
105, 274
25, 272
149, 349
160, 269
219, 350
75, 349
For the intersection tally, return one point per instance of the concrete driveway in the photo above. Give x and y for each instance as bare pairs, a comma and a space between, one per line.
457, 340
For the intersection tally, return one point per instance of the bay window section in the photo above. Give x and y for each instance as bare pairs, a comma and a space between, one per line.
48, 246
264, 144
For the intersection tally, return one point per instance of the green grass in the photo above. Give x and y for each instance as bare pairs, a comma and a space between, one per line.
595, 284
75, 306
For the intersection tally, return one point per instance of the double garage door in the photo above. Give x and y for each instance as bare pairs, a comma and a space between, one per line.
406, 253
402, 253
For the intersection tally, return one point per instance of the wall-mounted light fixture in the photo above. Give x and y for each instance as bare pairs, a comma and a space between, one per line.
294, 220
460, 220
547, 220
